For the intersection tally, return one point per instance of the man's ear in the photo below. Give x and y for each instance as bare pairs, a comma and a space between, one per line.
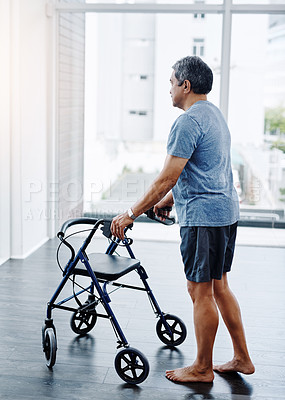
187, 86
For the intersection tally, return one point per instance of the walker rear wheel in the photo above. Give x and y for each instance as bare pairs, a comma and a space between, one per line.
176, 332
131, 366
82, 321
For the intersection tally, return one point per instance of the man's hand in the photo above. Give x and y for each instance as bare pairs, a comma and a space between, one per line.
161, 214
119, 223
167, 201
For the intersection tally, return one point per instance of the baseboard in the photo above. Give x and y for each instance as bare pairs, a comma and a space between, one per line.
3, 260
32, 250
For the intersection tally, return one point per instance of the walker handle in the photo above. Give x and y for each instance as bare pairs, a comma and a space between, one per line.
75, 221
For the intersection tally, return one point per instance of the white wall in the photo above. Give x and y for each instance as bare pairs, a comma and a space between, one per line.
4, 130
24, 39
70, 115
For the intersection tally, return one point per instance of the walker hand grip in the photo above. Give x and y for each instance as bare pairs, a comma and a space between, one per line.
106, 228
168, 220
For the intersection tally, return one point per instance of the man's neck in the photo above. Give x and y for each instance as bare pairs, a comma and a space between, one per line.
192, 99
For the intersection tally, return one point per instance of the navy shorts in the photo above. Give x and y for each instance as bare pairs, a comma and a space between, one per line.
207, 252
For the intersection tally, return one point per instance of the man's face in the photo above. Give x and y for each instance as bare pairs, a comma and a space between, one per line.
176, 91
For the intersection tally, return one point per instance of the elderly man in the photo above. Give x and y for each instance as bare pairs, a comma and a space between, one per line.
197, 178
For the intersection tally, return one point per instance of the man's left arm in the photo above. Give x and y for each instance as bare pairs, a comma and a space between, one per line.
165, 181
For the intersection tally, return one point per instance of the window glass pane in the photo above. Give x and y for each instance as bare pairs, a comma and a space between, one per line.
257, 113
129, 112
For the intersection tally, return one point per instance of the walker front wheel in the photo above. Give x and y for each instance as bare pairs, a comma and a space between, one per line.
174, 333
50, 347
131, 366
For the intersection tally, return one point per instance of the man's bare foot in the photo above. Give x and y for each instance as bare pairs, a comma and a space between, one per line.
245, 367
190, 374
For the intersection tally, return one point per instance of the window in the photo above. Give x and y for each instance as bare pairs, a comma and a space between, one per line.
257, 122
135, 112
197, 16
128, 140
199, 47
202, 15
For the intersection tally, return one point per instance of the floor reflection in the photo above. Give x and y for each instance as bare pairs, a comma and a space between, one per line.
238, 385
83, 345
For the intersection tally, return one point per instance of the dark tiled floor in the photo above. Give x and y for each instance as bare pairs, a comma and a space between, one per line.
84, 367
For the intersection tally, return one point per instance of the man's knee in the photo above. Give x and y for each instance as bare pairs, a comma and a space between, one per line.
192, 288
220, 288
199, 290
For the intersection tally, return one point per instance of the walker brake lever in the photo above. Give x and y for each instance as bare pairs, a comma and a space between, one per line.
106, 229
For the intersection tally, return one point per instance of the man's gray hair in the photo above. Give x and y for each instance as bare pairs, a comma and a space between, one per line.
196, 71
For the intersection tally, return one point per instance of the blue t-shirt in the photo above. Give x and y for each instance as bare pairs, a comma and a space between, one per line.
204, 194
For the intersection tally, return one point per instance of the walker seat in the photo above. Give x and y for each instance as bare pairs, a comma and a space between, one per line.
108, 267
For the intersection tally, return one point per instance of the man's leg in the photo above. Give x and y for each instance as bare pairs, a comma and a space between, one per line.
231, 314
206, 320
